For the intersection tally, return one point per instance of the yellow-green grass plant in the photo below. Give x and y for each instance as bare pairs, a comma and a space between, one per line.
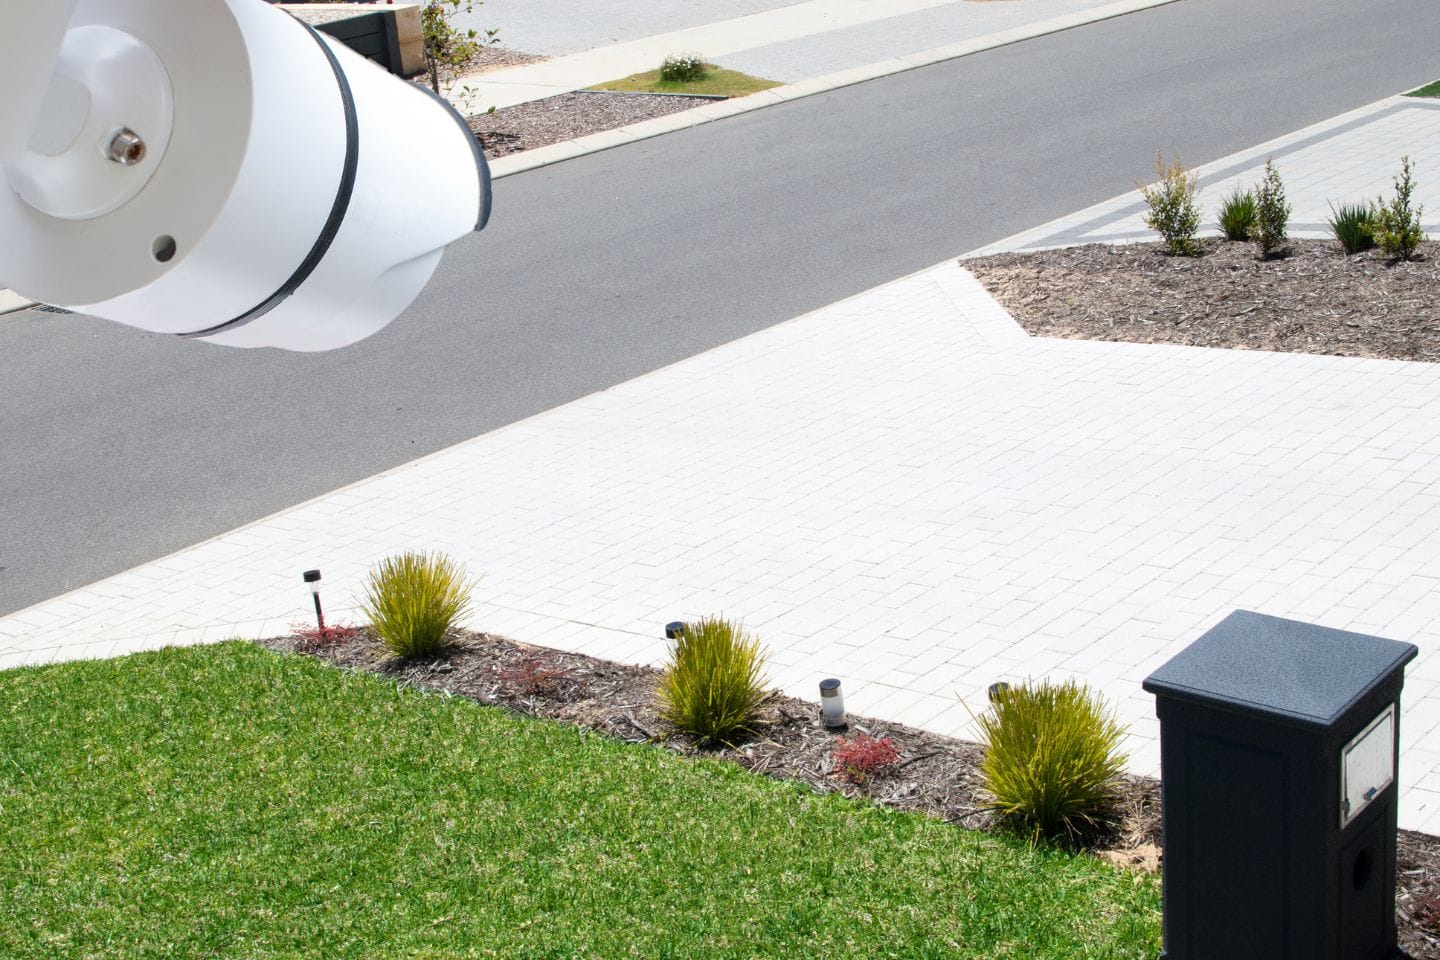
1350, 224
1052, 758
412, 600
714, 681
1237, 215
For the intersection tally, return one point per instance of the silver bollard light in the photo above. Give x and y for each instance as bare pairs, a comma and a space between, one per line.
832, 703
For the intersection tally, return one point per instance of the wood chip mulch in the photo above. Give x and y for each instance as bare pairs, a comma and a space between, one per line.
934, 775
570, 115
1315, 300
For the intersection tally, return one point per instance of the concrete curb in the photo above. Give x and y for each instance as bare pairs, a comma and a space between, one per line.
580, 146
10, 301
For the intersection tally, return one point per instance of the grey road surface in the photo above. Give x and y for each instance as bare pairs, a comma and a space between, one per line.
117, 447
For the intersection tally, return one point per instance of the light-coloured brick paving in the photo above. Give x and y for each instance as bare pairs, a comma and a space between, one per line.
902, 490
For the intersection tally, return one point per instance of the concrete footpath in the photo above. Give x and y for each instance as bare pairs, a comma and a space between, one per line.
906, 491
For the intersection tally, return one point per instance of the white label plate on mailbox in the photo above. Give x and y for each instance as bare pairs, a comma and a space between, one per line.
1367, 765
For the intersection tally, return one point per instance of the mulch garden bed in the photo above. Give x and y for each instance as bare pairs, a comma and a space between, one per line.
1315, 300
570, 115
934, 775
565, 116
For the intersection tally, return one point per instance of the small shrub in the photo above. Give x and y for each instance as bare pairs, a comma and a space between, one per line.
533, 678
449, 49
1272, 213
1237, 214
1395, 225
1051, 759
314, 638
712, 686
1351, 226
414, 599
865, 758
683, 68
1427, 913
1174, 214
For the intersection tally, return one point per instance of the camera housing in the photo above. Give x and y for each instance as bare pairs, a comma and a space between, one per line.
219, 171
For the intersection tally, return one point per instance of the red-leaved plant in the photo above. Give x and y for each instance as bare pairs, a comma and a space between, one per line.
864, 758
312, 638
1427, 913
533, 678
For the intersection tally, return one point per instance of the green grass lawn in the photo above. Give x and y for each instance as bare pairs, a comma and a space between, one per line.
229, 802
717, 82
1429, 90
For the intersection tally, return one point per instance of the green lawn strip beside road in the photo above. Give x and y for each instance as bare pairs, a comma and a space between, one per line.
716, 82
1429, 90
227, 801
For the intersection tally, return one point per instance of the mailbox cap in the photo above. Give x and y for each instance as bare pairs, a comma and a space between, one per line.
1297, 672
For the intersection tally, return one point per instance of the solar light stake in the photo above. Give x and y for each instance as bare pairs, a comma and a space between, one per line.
312, 577
998, 690
673, 629
832, 703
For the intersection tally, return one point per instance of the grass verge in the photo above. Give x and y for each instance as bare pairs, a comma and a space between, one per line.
717, 82
1429, 90
229, 801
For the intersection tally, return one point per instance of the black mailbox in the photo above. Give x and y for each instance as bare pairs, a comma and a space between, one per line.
1278, 746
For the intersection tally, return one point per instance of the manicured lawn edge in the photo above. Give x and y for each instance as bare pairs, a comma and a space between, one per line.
233, 801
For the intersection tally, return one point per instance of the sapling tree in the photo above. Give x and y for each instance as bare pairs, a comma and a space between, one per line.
1395, 225
448, 48
1174, 213
1272, 213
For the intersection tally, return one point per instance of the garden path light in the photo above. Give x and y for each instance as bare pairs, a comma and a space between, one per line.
832, 703
312, 580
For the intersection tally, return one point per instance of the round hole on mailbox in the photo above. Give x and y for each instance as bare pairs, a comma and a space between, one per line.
1364, 866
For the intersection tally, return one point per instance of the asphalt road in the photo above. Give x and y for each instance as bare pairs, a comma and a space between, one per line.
119, 446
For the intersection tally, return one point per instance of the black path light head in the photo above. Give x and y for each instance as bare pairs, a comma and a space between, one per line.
312, 580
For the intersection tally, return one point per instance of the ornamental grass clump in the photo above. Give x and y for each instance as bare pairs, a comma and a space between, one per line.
1351, 225
713, 684
1395, 225
412, 600
1174, 214
1237, 215
1051, 760
1272, 213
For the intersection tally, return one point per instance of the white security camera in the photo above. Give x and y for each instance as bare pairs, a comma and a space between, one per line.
218, 170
